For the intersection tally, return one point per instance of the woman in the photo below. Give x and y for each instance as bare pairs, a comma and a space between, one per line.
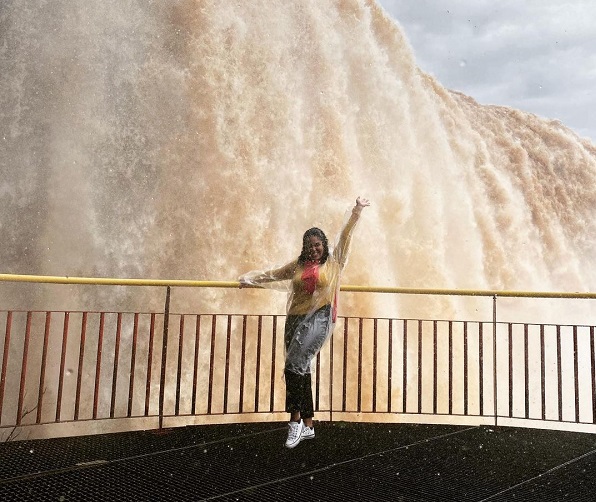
312, 310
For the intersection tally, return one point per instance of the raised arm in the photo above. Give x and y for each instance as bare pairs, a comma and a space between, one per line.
342, 247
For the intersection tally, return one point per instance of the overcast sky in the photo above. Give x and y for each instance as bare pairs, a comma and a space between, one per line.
534, 55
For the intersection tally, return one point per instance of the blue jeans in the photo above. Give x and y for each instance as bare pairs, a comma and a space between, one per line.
304, 337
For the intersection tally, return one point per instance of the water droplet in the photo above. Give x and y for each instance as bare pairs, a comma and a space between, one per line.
463, 63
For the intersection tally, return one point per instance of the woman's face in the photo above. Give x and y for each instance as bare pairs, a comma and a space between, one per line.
315, 248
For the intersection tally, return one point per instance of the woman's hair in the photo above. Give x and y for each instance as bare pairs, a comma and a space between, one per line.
317, 232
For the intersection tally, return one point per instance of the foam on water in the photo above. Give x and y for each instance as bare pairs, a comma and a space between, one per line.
200, 139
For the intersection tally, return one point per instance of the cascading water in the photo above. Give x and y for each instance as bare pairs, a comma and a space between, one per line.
199, 139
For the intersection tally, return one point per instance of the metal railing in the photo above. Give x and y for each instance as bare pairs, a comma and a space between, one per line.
102, 370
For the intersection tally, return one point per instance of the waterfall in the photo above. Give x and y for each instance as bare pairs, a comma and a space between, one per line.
198, 140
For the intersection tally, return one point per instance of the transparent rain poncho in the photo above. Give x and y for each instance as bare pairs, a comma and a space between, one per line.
312, 298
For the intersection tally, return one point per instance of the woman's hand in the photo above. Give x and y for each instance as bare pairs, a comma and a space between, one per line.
362, 202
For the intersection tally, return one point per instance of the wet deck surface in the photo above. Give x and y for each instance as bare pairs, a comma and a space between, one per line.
397, 462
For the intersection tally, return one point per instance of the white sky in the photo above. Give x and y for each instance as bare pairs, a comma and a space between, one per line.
537, 56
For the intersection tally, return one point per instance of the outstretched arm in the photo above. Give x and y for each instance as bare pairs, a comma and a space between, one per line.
279, 274
341, 250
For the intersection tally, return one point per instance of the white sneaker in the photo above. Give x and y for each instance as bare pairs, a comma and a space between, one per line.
294, 434
307, 433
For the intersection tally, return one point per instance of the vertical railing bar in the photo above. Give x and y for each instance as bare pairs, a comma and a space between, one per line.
42, 374
450, 367
211, 363
133, 357
593, 369
5, 359
360, 335
242, 363
390, 365
149, 363
345, 366
179, 364
98, 364
227, 366
495, 381
24, 369
542, 373
526, 373
62, 366
317, 381
481, 368
466, 369
405, 367
435, 368
576, 373
420, 366
195, 374
116, 364
273, 368
80, 365
559, 374
257, 369
510, 334
375, 351
331, 379
164, 357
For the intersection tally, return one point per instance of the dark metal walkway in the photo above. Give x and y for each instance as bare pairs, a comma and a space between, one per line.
346, 461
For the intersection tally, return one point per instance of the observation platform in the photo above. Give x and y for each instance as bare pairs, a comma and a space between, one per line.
346, 461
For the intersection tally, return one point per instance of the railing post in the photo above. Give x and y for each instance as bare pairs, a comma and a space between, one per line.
164, 356
331, 379
495, 357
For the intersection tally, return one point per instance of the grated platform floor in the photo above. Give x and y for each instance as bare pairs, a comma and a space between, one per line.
346, 461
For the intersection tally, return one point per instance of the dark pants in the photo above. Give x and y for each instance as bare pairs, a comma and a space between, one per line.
299, 394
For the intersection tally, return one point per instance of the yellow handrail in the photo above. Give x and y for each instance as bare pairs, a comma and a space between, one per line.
116, 281
469, 292
235, 284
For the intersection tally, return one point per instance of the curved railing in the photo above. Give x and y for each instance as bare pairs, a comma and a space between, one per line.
70, 372
106, 281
